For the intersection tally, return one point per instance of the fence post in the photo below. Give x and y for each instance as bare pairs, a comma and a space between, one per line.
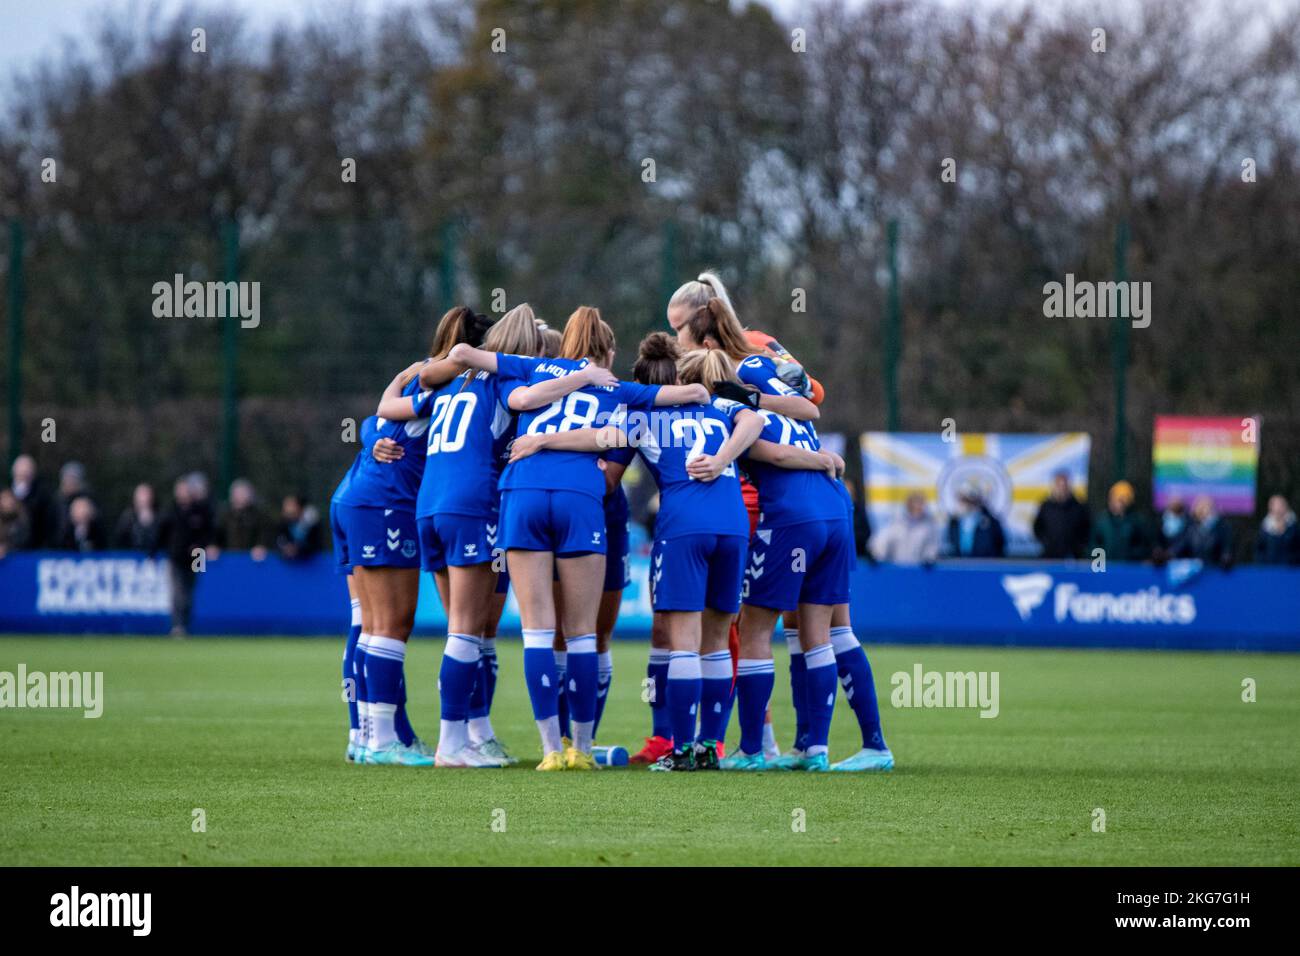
15, 338
893, 329
1119, 357
230, 360
447, 266
668, 277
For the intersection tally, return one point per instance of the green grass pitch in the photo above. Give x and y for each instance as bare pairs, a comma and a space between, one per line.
252, 733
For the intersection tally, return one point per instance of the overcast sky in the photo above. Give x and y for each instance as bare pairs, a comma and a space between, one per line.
30, 29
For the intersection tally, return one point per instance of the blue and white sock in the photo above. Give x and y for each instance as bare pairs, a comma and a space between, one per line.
604, 677
657, 672
489, 671
363, 695
460, 666
562, 692
349, 675
820, 699
798, 675
715, 695
480, 701
384, 659
754, 682
485, 681
859, 685
580, 689
684, 688
539, 675
401, 722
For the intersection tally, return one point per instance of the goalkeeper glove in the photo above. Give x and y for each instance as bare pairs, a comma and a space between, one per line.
793, 375
736, 392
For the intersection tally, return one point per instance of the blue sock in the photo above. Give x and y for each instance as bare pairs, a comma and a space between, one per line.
363, 698
384, 659
820, 699
402, 723
754, 682
349, 674
580, 688
485, 681
539, 673
562, 692
684, 688
604, 677
478, 693
460, 666
657, 672
715, 695
798, 675
859, 685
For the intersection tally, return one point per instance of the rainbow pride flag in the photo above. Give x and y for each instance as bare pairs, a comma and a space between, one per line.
1216, 456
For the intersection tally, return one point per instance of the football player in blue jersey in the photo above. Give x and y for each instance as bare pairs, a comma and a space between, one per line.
701, 314
801, 558
553, 523
714, 325
614, 462
369, 439
784, 388
375, 515
472, 422
701, 536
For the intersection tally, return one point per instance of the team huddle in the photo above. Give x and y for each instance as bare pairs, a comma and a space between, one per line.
498, 462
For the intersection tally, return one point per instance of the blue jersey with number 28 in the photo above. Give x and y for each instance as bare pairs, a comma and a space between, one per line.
588, 407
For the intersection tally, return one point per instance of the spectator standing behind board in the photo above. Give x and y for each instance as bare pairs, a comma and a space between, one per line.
186, 527
38, 504
298, 535
14, 527
1208, 537
137, 526
1062, 523
244, 526
974, 532
1278, 541
912, 539
1119, 531
83, 531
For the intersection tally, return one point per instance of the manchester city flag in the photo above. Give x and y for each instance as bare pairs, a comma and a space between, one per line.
1011, 473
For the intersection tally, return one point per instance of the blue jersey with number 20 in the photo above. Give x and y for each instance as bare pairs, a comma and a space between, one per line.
470, 426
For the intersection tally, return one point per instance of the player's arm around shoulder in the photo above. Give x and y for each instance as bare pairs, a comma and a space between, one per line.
526, 398
746, 427
682, 395
395, 406
577, 439
794, 458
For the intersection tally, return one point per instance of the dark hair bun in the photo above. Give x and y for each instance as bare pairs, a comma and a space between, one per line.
476, 327
659, 346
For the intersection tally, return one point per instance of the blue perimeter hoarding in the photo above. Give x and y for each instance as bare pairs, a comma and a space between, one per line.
1002, 603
